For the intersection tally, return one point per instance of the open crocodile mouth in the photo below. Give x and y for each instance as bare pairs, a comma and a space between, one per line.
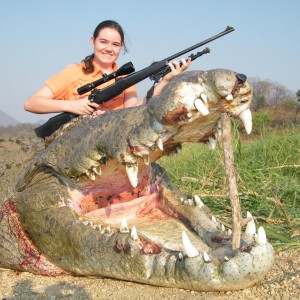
150, 214
116, 206
108, 209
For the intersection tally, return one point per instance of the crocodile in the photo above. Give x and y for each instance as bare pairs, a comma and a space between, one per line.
93, 201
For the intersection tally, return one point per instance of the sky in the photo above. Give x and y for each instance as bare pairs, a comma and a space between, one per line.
40, 38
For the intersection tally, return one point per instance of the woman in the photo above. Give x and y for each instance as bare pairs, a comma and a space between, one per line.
107, 41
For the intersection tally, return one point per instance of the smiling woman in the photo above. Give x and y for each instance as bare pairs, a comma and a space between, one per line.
107, 42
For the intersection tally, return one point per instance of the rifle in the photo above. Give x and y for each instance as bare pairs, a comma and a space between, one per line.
156, 70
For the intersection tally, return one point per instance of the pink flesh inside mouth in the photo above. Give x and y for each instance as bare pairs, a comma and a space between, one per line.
110, 199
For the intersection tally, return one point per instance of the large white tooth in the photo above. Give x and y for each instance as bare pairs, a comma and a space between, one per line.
198, 201
203, 97
97, 170
133, 234
206, 257
246, 118
223, 228
248, 214
201, 107
261, 237
213, 218
189, 249
124, 226
132, 173
251, 227
229, 232
229, 97
160, 144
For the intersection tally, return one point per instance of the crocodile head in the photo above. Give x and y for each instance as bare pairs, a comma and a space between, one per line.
94, 202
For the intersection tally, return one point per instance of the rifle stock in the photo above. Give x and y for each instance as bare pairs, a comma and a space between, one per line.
121, 84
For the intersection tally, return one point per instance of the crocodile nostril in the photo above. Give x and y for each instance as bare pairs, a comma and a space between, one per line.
241, 77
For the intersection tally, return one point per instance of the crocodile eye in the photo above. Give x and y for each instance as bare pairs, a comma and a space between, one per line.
244, 101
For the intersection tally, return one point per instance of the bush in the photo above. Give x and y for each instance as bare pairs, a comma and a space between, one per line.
290, 104
262, 119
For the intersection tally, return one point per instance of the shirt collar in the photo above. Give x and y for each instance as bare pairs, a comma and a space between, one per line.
98, 71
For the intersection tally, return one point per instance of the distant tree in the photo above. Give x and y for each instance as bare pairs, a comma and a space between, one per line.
298, 96
268, 93
279, 95
261, 91
298, 99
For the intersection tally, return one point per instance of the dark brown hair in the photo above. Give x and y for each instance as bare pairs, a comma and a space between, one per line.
88, 61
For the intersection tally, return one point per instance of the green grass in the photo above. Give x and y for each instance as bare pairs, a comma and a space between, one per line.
268, 179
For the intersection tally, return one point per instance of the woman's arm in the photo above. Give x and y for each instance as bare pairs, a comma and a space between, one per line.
176, 69
42, 102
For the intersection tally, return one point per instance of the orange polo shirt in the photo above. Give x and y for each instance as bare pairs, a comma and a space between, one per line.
64, 85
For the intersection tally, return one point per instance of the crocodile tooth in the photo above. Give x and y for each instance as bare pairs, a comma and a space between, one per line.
124, 226
132, 173
97, 227
198, 201
91, 175
213, 218
97, 170
261, 237
226, 258
206, 257
246, 118
229, 232
180, 256
249, 215
189, 249
88, 223
212, 142
203, 97
160, 144
133, 234
186, 202
219, 127
107, 230
201, 107
189, 115
229, 97
190, 202
146, 160
223, 227
250, 228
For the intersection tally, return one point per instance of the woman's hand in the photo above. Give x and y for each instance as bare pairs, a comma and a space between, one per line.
82, 107
176, 69
42, 101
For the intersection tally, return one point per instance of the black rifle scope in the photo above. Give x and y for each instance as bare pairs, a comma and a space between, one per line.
123, 70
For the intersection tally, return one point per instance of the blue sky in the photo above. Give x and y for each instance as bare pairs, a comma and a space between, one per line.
40, 38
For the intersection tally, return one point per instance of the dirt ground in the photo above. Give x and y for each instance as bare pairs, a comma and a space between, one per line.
282, 282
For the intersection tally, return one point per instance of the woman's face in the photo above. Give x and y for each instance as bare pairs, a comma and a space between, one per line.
107, 46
